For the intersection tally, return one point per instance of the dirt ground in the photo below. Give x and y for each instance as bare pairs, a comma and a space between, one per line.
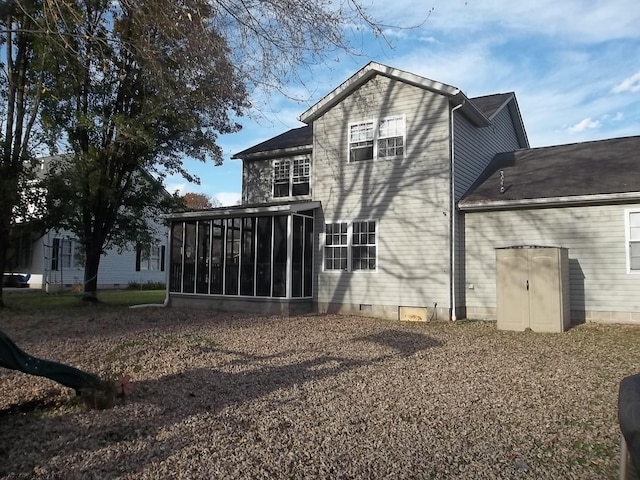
233, 396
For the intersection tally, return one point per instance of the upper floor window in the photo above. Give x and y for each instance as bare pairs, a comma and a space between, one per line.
291, 177
350, 246
632, 222
383, 138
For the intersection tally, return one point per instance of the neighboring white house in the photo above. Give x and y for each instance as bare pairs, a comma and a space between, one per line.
54, 261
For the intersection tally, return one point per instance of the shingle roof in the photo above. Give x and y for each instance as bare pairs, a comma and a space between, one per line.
294, 138
590, 168
490, 104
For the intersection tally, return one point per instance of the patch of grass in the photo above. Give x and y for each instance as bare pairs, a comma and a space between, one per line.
126, 298
38, 300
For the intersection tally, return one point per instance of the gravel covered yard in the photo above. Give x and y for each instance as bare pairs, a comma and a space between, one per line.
231, 396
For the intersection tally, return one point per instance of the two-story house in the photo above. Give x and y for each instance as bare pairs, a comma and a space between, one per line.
354, 212
392, 200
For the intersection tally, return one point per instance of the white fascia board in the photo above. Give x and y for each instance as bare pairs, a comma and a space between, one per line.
359, 78
575, 200
240, 211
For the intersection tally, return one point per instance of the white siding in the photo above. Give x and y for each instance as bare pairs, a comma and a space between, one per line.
595, 237
409, 198
116, 269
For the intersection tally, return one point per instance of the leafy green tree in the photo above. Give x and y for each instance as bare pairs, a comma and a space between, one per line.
126, 89
140, 85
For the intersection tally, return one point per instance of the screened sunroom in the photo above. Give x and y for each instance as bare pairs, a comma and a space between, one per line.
243, 258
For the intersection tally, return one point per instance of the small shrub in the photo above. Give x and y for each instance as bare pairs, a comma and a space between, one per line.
133, 285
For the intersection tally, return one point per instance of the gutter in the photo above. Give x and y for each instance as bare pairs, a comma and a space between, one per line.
453, 217
565, 201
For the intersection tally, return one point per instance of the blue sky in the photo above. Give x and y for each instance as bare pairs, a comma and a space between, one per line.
573, 64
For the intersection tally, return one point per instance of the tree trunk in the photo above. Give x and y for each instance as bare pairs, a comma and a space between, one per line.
91, 266
4, 238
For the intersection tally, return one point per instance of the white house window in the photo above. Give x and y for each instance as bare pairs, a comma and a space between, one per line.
62, 251
632, 221
350, 246
335, 246
150, 257
383, 138
361, 141
391, 137
291, 177
363, 246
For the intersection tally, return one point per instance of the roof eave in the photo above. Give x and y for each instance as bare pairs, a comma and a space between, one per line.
470, 110
246, 211
518, 123
363, 75
563, 201
273, 153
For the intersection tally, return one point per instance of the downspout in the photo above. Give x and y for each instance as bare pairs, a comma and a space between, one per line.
453, 217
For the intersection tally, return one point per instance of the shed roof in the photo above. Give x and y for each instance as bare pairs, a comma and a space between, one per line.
577, 172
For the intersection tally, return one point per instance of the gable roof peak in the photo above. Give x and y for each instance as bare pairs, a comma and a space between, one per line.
364, 75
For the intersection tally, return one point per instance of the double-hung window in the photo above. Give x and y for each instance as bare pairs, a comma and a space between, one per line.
62, 253
378, 138
291, 176
391, 137
350, 246
361, 141
150, 257
632, 223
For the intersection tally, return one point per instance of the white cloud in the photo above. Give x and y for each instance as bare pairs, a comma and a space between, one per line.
573, 20
174, 187
228, 198
631, 84
585, 124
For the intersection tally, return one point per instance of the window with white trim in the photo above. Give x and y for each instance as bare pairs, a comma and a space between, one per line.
62, 254
351, 246
291, 176
373, 139
335, 246
632, 222
150, 257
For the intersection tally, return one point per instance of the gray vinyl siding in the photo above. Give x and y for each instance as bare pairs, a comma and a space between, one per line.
600, 287
474, 148
408, 197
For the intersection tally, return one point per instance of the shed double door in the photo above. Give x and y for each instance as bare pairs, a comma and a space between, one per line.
532, 289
